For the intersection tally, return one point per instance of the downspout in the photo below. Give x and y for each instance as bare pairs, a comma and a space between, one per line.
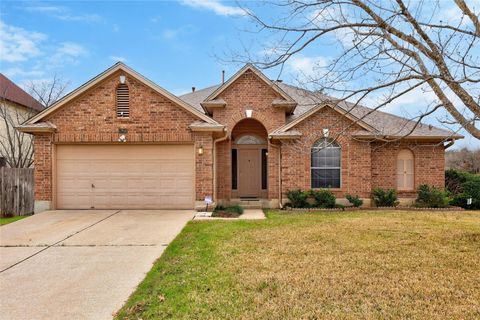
449, 144
215, 163
279, 174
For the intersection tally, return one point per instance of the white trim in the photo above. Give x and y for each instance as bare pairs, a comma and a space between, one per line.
326, 168
102, 76
319, 107
239, 73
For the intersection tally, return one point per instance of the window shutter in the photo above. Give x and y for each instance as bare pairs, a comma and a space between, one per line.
123, 110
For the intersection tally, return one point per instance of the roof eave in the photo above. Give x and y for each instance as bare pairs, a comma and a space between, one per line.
29, 129
119, 66
409, 137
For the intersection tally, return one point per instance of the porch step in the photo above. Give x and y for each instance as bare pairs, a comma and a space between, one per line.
247, 203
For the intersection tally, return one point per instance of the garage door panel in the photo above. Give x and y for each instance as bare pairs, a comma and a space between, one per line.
125, 176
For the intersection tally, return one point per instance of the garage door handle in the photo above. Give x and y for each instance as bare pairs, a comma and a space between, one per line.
93, 186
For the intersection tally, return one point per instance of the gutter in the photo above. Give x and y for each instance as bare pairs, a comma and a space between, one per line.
449, 144
215, 162
279, 174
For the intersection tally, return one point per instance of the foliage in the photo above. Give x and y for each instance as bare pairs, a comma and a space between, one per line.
237, 209
354, 200
470, 189
323, 198
385, 198
463, 185
298, 198
431, 197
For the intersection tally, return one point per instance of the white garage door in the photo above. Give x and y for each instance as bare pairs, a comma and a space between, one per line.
125, 176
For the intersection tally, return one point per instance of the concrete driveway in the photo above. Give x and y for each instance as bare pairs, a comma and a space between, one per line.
76, 264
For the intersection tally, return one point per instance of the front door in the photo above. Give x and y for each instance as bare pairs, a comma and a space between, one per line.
249, 172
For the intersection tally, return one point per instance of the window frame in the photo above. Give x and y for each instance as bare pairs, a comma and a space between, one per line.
339, 168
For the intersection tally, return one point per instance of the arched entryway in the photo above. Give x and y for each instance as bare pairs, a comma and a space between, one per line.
249, 160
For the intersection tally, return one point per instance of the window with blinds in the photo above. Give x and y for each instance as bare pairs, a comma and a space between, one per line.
123, 110
325, 164
405, 170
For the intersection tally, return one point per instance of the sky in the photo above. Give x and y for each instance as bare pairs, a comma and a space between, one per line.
177, 44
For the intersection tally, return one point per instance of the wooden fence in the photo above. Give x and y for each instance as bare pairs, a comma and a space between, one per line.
16, 191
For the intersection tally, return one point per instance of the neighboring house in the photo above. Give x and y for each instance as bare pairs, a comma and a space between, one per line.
121, 141
16, 107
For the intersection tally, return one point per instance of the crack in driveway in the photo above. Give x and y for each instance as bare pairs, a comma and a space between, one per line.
56, 243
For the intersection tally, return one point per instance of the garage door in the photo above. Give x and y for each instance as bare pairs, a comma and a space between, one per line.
125, 176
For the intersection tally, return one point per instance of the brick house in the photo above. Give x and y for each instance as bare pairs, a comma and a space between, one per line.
121, 141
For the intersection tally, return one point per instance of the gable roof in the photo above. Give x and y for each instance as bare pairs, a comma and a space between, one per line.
383, 123
238, 74
11, 92
119, 66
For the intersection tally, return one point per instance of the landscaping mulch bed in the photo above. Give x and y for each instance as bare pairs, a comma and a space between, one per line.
225, 214
405, 208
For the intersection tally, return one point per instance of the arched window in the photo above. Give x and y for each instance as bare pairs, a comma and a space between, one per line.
123, 109
250, 139
325, 164
405, 170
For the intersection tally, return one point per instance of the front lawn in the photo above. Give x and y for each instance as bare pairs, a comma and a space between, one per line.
7, 220
350, 265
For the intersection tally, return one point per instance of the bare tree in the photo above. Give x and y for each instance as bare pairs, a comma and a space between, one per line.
17, 147
47, 92
382, 51
463, 159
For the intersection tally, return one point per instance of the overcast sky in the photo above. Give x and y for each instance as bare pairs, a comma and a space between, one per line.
177, 44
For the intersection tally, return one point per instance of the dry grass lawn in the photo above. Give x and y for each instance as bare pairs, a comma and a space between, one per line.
351, 265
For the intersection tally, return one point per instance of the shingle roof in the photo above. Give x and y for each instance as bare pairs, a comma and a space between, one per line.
11, 92
385, 123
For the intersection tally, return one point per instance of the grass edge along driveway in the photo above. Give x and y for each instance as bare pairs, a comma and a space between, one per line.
7, 220
349, 265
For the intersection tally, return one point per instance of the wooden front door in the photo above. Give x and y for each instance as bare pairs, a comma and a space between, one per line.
249, 172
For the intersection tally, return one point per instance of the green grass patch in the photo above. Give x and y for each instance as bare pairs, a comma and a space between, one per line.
318, 265
7, 220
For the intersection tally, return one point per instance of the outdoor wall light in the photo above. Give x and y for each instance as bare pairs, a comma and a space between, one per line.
200, 150
326, 132
122, 79
122, 138
248, 113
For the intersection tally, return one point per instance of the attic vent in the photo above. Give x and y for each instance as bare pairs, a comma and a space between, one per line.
122, 101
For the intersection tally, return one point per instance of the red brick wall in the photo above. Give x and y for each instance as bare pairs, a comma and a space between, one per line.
250, 92
429, 160
91, 118
247, 92
355, 158
43, 166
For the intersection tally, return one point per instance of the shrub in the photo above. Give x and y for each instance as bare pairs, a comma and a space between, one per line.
354, 200
298, 198
463, 185
323, 198
431, 197
385, 198
229, 212
454, 179
470, 189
